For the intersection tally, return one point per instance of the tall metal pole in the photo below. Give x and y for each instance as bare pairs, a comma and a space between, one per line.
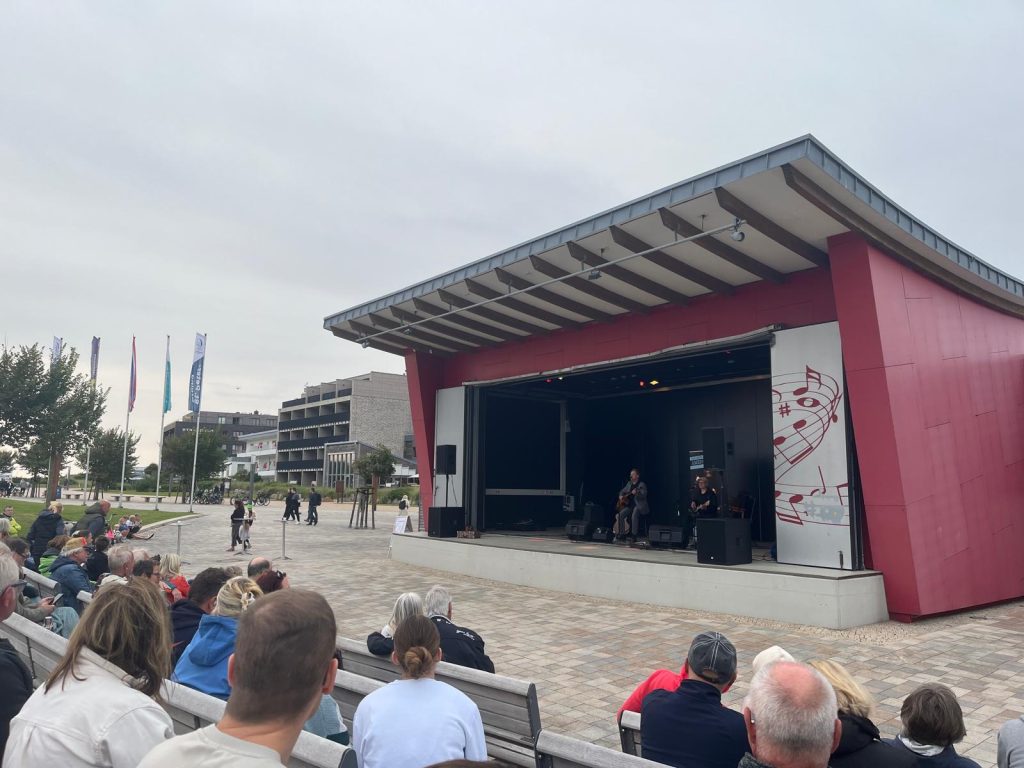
195, 457
88, 455
160, 456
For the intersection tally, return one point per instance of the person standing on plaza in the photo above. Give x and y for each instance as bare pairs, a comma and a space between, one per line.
247, 521
314, 501
237, 516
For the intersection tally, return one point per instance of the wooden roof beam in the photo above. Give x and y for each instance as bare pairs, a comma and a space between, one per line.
671, 263
454, 300
463, 320
519, 306
589, 287
729, 203
619, 272
520, 283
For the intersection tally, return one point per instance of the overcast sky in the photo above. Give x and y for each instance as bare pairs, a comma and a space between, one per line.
245, 169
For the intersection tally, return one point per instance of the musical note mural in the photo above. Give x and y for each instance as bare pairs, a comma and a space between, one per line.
812, 506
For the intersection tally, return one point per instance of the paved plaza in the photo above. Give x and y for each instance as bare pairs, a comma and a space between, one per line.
586, 655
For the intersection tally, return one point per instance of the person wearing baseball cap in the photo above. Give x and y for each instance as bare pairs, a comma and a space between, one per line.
68, 570
689, 726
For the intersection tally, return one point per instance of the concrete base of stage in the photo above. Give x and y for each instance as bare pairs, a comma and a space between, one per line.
764, 589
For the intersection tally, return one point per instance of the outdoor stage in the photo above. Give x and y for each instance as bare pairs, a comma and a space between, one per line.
822, 597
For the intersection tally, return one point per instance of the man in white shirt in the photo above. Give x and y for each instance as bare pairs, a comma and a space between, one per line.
273, 690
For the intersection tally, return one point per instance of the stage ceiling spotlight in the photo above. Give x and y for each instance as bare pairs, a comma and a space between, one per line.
736, 234
407, 330
595, 274
364, 343
654, 382
643, 383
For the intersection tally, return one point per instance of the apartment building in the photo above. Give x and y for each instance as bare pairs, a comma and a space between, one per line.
232, 427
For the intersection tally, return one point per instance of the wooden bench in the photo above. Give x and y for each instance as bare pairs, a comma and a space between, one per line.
557, 751
349, 690
507, 706
629, 732
39, 648
85, 597
47, 587
158, 498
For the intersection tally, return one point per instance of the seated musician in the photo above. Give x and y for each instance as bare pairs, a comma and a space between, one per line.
632, 504
703, 499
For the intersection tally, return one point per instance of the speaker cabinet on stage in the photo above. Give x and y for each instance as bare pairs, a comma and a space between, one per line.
593, 513
665, 535
723, 541
444, 460
446, 522
578, 530
603, 533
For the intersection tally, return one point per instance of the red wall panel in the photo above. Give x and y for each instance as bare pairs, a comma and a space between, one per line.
936, 383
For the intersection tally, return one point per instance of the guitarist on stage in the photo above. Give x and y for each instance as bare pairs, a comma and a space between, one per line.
631, 505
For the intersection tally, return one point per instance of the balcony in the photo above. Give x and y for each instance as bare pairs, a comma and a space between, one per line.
308, 442
284, 466
317, 398
314, 421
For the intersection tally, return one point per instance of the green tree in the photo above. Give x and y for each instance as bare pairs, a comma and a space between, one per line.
209, 460
106, 457
46, 405
151, 469
7, 459
242, 475
35, 459
378, 463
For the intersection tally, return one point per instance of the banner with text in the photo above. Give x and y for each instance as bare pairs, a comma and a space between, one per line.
195, 381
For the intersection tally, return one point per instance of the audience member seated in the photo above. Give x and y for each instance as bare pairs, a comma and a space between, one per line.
187, 613
417, 721
860, 745
1010, 744
791, 718
51, 553
204, 664
134, 529
98, 564
15, 678
121, 561
15, 526
68, 571
689, 726
383, 643
932, 723
460, 645
45, 527
768, 656
170, 572
97, 708
274, 690
326, 722
5, 530
257, 566
62, 619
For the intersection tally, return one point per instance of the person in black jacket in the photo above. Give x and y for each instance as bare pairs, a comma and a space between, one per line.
189, 611
45, 527
94, 521
383, 643
932, 723
459, 645
860, 745
97, 564
15, 679
314, 501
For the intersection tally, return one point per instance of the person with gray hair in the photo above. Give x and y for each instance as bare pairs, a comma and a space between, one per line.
383, 643
121, 562
15, 679
792, 718
460, 645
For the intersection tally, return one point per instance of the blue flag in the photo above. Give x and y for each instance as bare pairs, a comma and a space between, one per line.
167, 378
195, 381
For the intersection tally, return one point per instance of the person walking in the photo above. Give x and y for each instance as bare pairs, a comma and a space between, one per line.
314, 501
237, 516
247, 521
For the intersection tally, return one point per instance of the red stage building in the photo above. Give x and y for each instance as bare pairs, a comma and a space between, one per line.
856, 377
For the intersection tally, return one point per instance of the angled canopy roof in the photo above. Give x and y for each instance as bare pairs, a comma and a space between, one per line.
790, 199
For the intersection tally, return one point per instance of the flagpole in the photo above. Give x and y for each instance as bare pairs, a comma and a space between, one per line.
196, 390
88, 455
93, 366
195, 457
124, 457
163, 413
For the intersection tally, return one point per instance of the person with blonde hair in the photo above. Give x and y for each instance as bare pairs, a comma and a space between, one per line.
98, 708
204, 664
170, 571
860, 745
46, 526
417, 721
383, 643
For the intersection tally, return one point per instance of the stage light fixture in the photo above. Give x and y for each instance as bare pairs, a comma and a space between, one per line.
407, 330
736, 234
364, 343
595, 274
654, 382
643, 383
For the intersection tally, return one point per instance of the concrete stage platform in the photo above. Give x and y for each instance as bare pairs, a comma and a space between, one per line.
821, 597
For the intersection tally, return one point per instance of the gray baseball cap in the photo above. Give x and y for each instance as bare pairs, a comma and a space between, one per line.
712, 657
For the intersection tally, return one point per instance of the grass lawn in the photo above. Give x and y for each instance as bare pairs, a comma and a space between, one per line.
25, 511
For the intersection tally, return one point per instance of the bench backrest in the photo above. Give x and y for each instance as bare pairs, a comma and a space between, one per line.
85, 597
629, 732
508, 707
43, 647
557, 751
47, 587
16, 630
349, 690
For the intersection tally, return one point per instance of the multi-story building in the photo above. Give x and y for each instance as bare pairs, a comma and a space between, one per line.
260, 450
232, 427
372, 409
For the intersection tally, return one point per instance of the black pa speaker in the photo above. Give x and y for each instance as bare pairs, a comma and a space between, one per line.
444, 460
665, 535
603, 533
593, 513
713, 441
723, 541
578, 530
445, 522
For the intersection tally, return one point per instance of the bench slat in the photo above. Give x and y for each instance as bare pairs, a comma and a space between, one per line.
557, 751
47, 587
629, 733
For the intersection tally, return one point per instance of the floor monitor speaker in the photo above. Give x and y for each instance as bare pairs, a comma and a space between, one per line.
603, 533
445, 522
665, 535
444, 460
723, 541
578, 530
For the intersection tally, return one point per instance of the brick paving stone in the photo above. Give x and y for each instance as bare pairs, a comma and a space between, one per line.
587, 654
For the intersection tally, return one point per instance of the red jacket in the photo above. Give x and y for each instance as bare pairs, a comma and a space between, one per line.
660, 680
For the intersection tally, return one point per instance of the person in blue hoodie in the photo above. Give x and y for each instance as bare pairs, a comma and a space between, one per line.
189, 611
68, 571
204, 664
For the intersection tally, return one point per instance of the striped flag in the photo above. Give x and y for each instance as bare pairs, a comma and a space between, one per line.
167, 378
195, 380
133, 384
94, 360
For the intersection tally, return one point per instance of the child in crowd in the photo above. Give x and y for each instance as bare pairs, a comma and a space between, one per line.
247, 521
